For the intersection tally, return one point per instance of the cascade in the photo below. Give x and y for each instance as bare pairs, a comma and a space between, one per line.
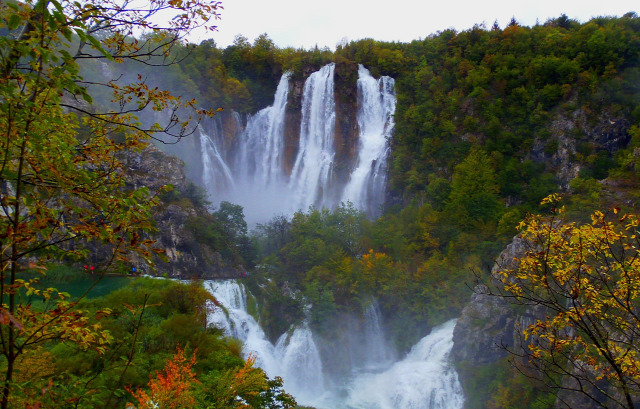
376, 106
310, 177
216, 175
258, 164
261, 152
257, 177
295, 358
301, 364
422, 380
377, 353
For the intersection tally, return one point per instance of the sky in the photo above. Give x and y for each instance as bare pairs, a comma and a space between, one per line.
305, 24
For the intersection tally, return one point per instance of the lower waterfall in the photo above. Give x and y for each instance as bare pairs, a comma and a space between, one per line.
423, 379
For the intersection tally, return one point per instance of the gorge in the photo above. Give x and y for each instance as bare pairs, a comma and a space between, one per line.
269, 171
459, 139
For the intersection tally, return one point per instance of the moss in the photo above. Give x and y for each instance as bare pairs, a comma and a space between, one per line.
252, 307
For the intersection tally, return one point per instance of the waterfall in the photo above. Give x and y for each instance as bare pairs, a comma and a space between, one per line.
260, 160
422, 380
376, 106
260, 179
295, 357
216, 175
301, 364
265, 181
377, 353
311, 172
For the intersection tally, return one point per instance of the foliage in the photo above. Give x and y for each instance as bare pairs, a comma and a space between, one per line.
244, 388
61, 179
474, 191
585, 277
158, 327
171, 388
320, 255
500, 386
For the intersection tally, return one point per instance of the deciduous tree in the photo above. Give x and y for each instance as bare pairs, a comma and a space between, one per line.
61, 179
585, 280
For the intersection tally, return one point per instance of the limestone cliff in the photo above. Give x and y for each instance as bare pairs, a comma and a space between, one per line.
573, 135
346, 133
186, 255
487, 325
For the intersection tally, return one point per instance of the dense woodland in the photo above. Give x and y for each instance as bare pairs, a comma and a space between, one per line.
474, 151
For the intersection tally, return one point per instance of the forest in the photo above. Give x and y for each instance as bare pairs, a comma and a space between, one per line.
490, 124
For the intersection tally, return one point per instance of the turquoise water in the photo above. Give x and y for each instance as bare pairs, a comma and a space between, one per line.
75, 282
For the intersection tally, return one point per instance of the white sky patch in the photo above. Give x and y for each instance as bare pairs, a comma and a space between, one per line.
304, 24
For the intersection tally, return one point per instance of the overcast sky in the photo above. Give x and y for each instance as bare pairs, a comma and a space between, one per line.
304, 23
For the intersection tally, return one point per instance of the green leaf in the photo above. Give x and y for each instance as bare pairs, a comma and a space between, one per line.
57, 5
14, 21
66, 56
81, 34
67, 33
87, 97
98, 46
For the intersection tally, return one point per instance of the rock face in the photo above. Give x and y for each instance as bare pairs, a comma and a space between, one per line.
346, 133
490, 329
488, 323
186, 257
572, 132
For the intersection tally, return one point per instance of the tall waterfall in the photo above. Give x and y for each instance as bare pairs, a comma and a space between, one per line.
254, 170
310, 178
261, 150
376, 106
422, 380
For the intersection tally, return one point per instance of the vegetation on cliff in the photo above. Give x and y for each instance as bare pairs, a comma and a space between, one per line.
66, 183
584, 280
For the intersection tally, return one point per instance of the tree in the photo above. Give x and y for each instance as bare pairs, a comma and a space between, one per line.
584, 281
172, 388
474, 191
232, 218
61, 177
246, 387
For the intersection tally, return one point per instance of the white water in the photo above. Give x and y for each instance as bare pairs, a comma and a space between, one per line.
216, 175
310, 177
377, 353
295, 358
256, 175
376, 106
421, 380
261, 149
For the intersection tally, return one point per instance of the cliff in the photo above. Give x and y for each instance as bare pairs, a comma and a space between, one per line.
185, 254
